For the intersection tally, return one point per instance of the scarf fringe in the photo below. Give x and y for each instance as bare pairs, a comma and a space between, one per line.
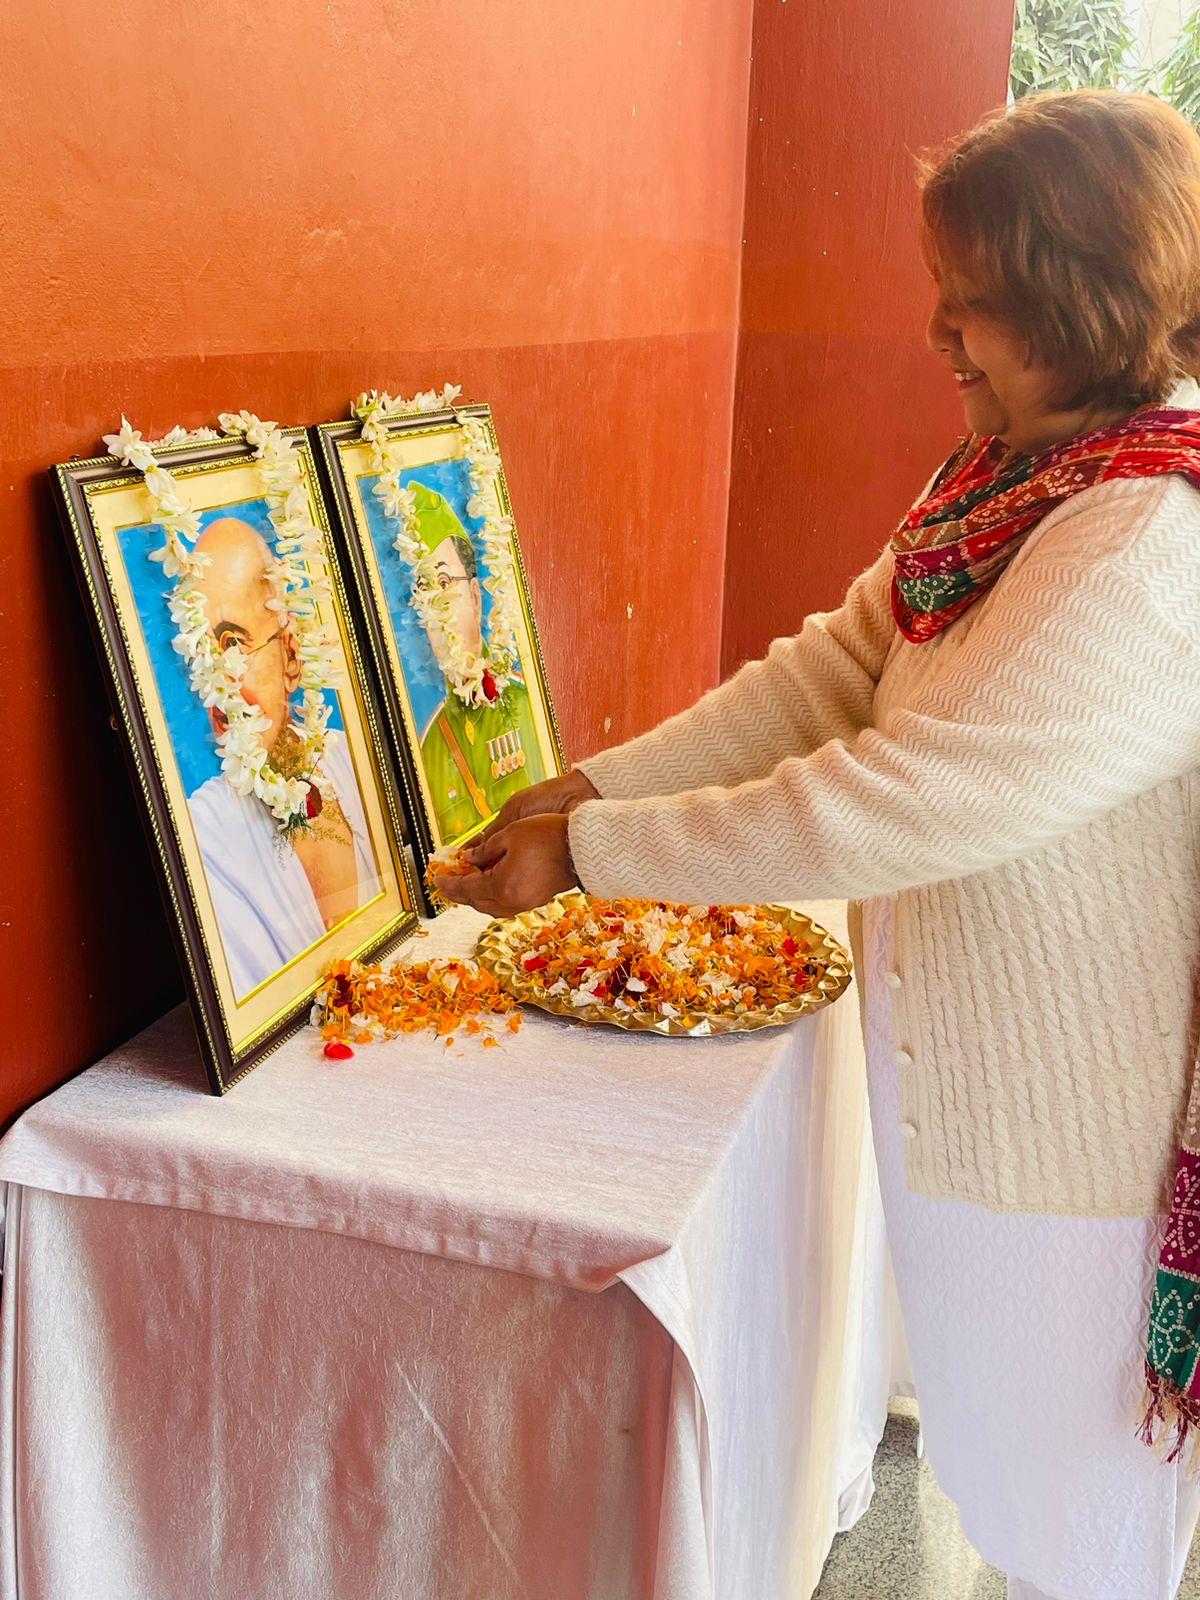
1170, 1423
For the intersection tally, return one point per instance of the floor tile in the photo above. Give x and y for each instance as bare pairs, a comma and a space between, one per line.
909, 1545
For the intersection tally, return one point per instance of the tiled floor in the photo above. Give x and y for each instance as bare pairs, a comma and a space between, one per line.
909, 1545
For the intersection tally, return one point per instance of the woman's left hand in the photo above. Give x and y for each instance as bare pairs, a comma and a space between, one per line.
520, 867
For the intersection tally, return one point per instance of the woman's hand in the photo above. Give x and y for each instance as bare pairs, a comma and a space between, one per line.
521, 866
557, 796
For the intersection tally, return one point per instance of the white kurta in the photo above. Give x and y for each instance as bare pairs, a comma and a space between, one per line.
265, 907
1026, 1335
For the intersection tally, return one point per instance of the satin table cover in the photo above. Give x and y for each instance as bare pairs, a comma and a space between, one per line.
579, 1318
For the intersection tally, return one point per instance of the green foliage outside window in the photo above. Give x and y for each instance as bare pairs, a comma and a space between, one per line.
1079, 44
1177, 77
1070, 44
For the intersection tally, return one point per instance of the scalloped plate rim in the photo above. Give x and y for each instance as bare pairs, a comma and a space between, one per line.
491, 952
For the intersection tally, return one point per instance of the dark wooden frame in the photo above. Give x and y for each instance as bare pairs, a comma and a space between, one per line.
225, 1063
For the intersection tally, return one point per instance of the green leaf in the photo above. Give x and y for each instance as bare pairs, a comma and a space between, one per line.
1064, 44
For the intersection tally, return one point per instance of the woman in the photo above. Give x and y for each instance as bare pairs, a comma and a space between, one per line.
993, 749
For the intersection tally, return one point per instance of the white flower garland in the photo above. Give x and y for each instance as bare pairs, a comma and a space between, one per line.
475, 679
301, 573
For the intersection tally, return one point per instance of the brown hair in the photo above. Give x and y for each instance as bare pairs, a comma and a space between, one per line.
1074, 219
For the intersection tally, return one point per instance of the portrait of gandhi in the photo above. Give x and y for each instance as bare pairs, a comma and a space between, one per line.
274, 896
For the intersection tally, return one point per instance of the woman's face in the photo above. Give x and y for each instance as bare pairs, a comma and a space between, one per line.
1002, 391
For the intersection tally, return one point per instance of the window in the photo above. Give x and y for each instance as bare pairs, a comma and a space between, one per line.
1149, 45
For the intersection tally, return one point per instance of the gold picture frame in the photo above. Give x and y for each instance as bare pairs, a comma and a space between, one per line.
460, 763
257, 914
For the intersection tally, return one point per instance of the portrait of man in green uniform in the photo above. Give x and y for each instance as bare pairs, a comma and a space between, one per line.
474, 757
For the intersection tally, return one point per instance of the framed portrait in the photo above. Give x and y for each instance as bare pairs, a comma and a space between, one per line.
433, 555
250, 725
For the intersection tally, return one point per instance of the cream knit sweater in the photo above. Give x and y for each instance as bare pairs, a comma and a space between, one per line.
1027, 787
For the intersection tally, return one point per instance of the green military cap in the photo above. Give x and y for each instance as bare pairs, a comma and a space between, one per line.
436, 520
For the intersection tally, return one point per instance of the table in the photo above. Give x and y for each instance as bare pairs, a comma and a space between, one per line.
593, 1316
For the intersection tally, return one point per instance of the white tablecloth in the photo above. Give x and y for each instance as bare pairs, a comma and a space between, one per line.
594, 1315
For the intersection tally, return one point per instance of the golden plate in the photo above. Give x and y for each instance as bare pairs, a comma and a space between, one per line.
495, 951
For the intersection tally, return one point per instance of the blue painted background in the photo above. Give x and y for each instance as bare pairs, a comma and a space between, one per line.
423, 678
187, 721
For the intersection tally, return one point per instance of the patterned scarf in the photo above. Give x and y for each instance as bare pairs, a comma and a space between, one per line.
986, 500
950, 549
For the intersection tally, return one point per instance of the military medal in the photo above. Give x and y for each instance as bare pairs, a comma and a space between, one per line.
505, 753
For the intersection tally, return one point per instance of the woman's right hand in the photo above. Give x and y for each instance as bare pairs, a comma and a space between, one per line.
555, 795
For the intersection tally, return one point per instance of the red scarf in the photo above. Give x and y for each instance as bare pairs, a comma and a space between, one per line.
986, 500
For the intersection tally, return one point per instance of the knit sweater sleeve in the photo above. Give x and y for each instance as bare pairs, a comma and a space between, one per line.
1076, 689
808, 689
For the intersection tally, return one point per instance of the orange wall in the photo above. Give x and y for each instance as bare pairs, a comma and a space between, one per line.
841, 413
276, 205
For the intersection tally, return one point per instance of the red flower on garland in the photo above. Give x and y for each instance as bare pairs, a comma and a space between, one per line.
315, 802
488, 684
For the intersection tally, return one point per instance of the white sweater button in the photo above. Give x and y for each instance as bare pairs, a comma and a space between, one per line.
908, 1130
904, 1058
892, 979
